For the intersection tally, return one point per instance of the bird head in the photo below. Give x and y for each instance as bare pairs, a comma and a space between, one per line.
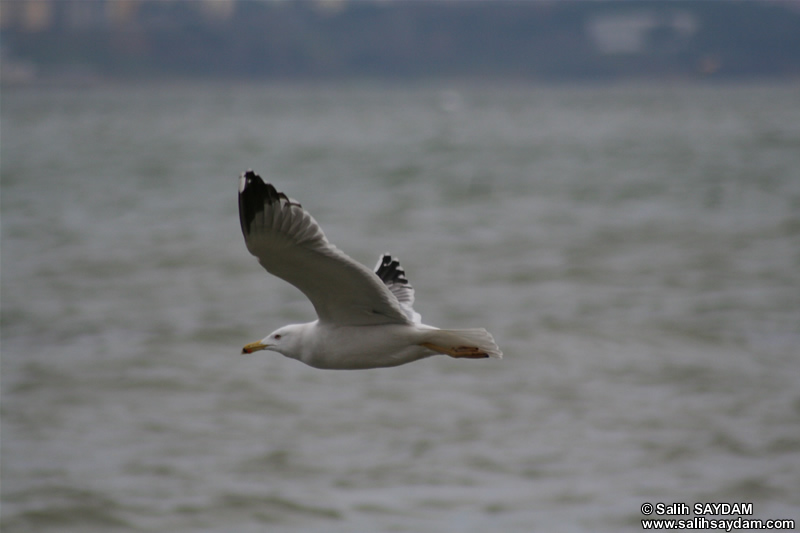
281, 340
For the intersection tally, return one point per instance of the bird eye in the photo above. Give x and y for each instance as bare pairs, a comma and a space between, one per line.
276, 337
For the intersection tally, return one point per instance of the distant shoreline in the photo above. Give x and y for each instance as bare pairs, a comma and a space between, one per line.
90, 41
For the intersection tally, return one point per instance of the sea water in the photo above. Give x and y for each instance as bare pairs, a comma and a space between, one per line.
634, 249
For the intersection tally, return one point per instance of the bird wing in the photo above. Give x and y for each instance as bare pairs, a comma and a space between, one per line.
289, 243
393, 275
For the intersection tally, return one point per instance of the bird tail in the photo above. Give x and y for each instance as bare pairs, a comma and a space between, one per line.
474, 343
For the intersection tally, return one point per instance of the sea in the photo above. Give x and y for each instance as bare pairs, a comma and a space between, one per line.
633, 247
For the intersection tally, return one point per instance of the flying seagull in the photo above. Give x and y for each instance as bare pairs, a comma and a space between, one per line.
365, 318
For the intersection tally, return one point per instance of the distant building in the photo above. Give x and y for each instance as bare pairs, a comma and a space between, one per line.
638, 31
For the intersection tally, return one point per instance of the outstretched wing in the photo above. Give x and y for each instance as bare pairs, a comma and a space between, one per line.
289, 243
392, 274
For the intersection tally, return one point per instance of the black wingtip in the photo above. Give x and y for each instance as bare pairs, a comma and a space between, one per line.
390, 271
254, 194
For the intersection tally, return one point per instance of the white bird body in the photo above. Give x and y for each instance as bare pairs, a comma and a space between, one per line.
365, 318
349, 347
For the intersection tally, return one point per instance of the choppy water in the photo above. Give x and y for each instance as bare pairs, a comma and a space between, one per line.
635, 251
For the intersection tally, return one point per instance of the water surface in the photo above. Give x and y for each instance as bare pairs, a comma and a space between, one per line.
635, 250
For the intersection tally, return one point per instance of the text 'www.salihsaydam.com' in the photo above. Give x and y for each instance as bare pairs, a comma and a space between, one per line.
719, 516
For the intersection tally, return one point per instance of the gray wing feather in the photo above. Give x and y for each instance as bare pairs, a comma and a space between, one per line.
289, 243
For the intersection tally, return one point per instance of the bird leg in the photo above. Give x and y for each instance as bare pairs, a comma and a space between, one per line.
459, 352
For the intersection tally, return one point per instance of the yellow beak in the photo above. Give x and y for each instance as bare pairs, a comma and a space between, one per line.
254, 347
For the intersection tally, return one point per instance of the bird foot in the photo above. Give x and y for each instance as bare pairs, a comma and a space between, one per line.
459, 352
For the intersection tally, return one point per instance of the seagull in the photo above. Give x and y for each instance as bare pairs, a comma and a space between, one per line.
365, 318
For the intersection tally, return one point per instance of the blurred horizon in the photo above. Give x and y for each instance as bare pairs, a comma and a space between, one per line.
46, 41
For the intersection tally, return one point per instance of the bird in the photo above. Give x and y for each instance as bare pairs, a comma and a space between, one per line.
365, 318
